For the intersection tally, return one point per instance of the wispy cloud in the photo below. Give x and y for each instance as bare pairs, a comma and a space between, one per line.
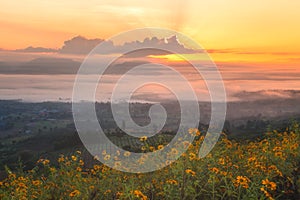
247, 52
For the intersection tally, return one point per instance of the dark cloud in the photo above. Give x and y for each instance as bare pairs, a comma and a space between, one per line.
155, 43
37, 50
82, 46
79, 45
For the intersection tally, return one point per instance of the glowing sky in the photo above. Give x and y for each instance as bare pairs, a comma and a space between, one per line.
259, 30
248, 37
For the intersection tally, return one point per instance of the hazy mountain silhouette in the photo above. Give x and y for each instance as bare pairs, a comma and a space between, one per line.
41, 66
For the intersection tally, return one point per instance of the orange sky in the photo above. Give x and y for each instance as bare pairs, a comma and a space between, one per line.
266, 31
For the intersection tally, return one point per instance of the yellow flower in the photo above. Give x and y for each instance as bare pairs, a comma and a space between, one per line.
143, 148
118, 194
78, 169
160, 147
151, 148
61, 159
21, 178
242, 181
126, 153
117, 164
221, 161
277, 148
78, 152
272, 168
68, 163
168, 162
93, 171
267, 194
269, 184
143, 139
46, 162
141, 161
262, 189
36, 182
224, 173
172, 182
294, 146
228, 143
191, 131
74, 193
52, 169
107, 191
107, 157
22, 185
74, 158
192, 156
81, 162
97, 167
251, 159
215, 170
278, 154
272, 186
139, 194
12, 175
236, 166
191, 172
186, 144
194, 132
174, 151
92, 187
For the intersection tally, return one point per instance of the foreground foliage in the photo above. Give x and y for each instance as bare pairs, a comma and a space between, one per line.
267, 168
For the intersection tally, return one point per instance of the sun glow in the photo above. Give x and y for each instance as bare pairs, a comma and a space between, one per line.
257, 31
182, 57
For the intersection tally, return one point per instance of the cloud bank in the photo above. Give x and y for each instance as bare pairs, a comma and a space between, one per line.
81, 46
